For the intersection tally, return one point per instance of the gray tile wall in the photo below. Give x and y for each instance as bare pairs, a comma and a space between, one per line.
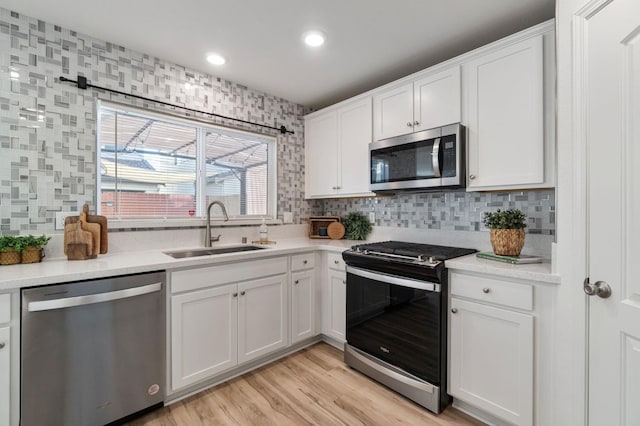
454, 211
47, 134
47, 128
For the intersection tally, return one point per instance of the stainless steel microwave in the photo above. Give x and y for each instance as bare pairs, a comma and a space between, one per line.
423, 161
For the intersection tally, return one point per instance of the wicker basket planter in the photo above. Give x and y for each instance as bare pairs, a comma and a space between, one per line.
10, 257
507, 242
32, 254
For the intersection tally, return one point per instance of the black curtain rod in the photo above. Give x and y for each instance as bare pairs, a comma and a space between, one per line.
82, 83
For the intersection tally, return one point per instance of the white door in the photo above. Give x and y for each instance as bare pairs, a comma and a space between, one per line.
354, 137
611, 37
203, 334
393, 112
436, 99
262, 317
303, 303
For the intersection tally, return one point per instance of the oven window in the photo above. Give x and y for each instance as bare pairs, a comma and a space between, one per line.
399, 325
411, 161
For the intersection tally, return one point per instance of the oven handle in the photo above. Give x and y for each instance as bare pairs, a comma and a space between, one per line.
393, 279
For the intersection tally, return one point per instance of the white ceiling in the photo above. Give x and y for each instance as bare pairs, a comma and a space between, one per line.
369, 42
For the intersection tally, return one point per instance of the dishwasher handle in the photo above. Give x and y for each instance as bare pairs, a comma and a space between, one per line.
68, 302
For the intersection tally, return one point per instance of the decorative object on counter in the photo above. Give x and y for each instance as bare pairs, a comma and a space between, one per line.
507, 231
335, 230
93, 218
263, 230
32, 248
357, 226
316, 223
263, 242
10, 250
514, 260
75, 237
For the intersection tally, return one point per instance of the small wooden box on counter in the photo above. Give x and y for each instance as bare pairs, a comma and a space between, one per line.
318, 225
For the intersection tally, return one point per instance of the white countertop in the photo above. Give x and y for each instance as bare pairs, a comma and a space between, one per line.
53, 271
534, 271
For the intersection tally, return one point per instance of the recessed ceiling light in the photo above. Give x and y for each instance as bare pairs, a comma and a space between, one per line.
314, 38
216, 59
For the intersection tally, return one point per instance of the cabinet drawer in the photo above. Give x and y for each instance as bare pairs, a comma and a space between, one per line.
5, 308
491, 290
193, 279
334, 260
303, 261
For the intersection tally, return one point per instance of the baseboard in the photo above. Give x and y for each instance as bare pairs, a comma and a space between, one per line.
478, 414
333, 342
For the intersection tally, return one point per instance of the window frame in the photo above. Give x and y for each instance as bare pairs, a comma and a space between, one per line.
201, 126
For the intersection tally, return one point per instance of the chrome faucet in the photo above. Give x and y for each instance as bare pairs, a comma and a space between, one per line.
207, 236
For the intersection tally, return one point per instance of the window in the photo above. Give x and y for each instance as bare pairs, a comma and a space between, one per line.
159, 166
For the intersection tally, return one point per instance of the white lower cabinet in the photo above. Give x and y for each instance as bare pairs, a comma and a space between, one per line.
204, 334
334, 299
303, 301
492, 346
216, 326
5, 375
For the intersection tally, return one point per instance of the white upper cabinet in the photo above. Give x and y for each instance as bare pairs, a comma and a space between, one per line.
337, 151
432, 100
509, 115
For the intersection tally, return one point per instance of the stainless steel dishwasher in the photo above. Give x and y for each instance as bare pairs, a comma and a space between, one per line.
92, 352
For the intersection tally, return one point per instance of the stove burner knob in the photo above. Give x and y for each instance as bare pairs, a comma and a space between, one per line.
358, 249
421, 258
432, 260
366, 251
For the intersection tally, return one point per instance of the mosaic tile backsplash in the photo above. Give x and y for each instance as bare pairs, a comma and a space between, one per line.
48, 134
48, 128
454, 211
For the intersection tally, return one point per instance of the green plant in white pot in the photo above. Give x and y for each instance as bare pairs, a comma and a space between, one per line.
507, 231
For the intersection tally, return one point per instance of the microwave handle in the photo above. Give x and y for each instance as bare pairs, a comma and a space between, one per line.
435, 157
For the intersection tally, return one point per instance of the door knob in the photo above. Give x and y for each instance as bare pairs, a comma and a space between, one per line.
242, 293
454, 310
486, 290
599, 288
296, 282
416, 123
409, 124
472, 176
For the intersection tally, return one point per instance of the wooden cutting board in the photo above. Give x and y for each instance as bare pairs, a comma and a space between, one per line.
75, 236
94, 229
93, 218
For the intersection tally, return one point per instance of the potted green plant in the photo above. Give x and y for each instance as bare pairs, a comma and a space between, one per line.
32, 251
356, 226
507, 231
10, 250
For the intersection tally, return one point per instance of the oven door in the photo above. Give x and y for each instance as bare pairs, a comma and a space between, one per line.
396, 320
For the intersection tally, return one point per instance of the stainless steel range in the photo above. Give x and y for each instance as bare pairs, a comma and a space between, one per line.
397, 317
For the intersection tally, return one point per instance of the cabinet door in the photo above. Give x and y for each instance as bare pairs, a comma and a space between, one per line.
321, 155
506, 117
203, 334
393, 112
262, 317
354, 137
335, 323
491, 358
303, 302
5, 375
436, 99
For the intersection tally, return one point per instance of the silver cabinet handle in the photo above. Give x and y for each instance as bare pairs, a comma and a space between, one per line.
334, 187
486, 290
305, 261
235, 294
416, 123
409, 124
68, 302
338, 187
344, 281
296, 282
336, 261
242, 293
454, 310
472, 176
2, 345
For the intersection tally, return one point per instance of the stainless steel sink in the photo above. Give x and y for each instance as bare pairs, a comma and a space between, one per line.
180, 254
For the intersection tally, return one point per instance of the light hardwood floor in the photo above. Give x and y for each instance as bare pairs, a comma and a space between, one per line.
309, 387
